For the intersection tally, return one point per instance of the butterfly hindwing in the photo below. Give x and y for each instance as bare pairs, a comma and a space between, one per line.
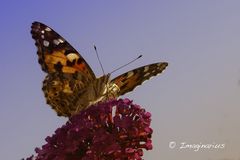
55, 54
129, 80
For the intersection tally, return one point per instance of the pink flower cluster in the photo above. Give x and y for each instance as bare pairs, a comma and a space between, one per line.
112, 130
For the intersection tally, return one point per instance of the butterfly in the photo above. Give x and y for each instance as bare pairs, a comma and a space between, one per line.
70, 85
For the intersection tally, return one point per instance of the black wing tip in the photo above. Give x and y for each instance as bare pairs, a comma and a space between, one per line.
165, 63
162, 64
37, 23
36, 27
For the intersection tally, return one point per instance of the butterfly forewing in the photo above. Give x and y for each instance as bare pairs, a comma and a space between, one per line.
55, 54
67, 86
129, 80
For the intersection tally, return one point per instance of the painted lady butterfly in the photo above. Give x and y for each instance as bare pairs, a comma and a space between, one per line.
70, 84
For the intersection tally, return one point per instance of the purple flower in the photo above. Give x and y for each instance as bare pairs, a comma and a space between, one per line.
112, 130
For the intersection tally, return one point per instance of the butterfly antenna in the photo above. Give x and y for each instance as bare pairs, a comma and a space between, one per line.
95, 48
126, 64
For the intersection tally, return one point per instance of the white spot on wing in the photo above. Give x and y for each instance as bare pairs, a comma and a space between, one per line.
146, 68
48, 29
60, 40
42, 31
45, 43
42, 36
55, 41
146, 74
72, 56
130, 74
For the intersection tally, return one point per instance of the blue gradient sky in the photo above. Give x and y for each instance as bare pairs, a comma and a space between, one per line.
195, 101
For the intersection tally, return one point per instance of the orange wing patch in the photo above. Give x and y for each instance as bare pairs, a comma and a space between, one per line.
71, 63
55, 54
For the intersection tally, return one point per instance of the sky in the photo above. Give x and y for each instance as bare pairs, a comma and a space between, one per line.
195, 101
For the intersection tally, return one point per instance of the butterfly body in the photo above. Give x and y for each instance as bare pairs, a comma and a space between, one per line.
70, 84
